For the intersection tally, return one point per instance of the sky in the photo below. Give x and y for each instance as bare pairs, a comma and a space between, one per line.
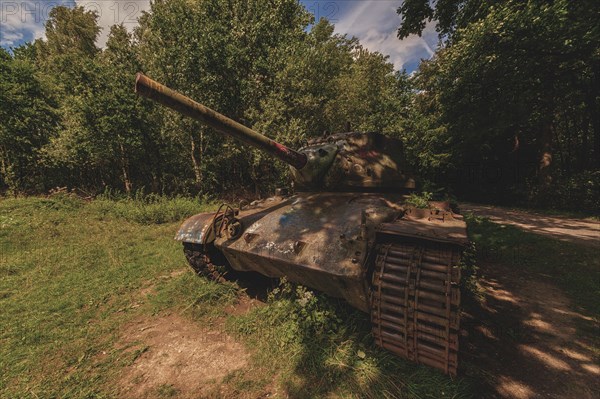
373, 22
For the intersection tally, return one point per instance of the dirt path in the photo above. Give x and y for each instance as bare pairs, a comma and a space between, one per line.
526, 339
580, 231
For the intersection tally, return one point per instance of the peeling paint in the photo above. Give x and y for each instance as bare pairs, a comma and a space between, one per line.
253, 228
271, 246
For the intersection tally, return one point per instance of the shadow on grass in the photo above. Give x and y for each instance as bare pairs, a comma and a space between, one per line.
318, 346
255, 285
350, 365
526, 338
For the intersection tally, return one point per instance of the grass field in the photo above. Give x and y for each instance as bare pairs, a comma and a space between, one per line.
75, 274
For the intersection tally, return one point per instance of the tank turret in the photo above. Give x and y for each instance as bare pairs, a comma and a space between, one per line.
340, 162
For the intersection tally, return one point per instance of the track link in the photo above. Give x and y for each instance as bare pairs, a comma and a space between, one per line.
206, 261
415, 301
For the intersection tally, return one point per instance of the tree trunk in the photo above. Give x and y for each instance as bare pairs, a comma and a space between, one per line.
6, 177
195, 161
3, 169
545, 163
125, 170
152, 147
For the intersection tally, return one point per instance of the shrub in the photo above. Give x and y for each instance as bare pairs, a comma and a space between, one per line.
419, 200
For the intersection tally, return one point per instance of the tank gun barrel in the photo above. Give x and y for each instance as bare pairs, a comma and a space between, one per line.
146, 87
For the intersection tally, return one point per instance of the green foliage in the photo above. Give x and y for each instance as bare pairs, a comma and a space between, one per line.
419, 200
415, 14
508, 109
468, 267
225, 58
579, 192
297, 314
105, 128
449, 15
71, 31
326, 82
28, 120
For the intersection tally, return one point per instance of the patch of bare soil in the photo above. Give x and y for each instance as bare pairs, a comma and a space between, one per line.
179, 359
525, 340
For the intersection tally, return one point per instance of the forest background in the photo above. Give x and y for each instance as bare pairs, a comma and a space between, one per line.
506, 111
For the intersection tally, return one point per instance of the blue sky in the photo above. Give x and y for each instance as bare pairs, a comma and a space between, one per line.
373, 22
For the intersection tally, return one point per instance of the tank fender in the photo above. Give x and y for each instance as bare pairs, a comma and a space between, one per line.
197, 229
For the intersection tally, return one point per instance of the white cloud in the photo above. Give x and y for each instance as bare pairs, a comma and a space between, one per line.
375, 22
22, 20
114, 12
10, 38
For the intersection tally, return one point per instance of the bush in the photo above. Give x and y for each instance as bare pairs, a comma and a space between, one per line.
468, 266
419, 200
295, 315
579, 192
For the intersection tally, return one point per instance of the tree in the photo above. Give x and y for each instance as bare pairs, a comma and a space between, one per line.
515, 86
327, 82
118, 129
28, 119
450, 15
259, 65
69, 48
67, 60
372, 96
221, 54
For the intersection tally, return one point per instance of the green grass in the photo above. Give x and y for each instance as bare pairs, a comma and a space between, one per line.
150, 209
70, 277
72, 274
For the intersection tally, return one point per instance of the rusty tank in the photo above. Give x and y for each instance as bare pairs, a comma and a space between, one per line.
346, 231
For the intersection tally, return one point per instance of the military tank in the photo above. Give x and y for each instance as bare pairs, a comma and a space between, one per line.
346, 231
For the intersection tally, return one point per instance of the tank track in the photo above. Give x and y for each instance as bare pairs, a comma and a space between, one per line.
206, 261
415, 301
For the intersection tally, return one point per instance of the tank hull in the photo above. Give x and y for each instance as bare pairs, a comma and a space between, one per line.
315, 239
